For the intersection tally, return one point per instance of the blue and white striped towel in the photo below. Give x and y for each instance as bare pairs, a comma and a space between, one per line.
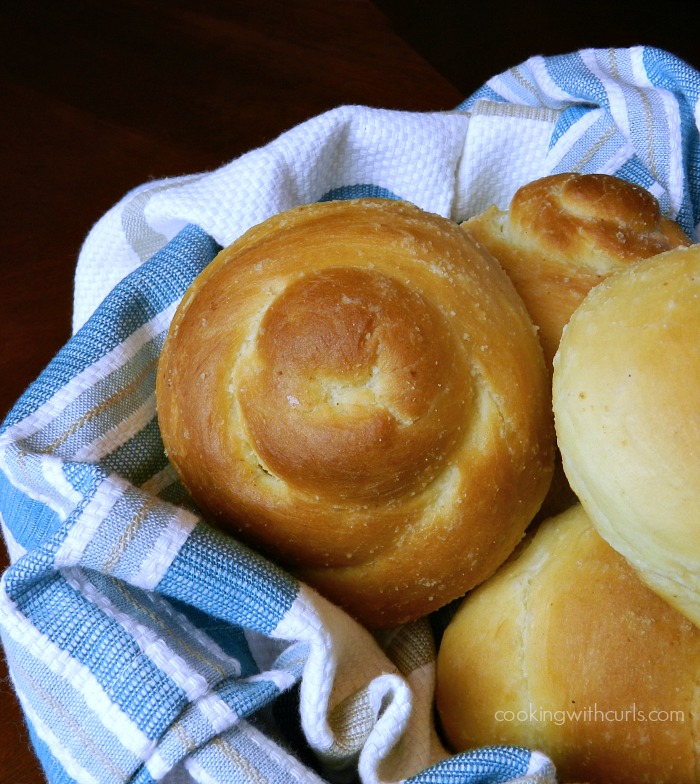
142, 644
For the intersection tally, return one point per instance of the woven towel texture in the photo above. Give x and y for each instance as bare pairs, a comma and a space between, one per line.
142, 644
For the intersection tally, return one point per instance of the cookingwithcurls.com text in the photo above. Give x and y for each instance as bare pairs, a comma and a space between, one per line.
589, 713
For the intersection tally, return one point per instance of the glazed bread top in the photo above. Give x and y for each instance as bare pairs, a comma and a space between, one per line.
595, 222
565, 233
358, 391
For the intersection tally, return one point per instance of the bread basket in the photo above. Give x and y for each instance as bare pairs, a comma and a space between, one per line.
144, 645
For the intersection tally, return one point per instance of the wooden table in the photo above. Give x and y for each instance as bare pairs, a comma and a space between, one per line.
99, 96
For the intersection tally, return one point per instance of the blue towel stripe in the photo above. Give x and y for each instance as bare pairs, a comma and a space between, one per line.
602, 147
249, 591
145, 293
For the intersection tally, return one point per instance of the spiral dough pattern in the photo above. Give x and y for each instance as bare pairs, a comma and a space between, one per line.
357, 391
565, 233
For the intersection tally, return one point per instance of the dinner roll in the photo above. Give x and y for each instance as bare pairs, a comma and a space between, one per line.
567, 651
564, 233
357, 391
626, 398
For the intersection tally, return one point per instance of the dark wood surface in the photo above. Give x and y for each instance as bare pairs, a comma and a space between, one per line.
99, 96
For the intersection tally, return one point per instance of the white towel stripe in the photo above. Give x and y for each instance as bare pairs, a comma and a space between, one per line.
43, 649
113, 439
555, 94
85, 379
155, 648
62, 754
676, 178
11, 464
14, 548
613, 90
165, 549
107, 494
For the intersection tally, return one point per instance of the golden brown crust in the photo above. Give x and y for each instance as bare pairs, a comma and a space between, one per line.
564, 233
359, 392
626, 397
567, 651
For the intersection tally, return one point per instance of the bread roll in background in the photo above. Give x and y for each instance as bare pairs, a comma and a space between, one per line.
567, 651
626, 398
358, 391
565, 233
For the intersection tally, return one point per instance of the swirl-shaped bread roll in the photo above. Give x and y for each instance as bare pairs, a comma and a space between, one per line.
626, 398
565, 233
359, 392
565, 650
